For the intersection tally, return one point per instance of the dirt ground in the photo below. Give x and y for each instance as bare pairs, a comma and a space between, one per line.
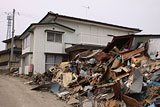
14, 93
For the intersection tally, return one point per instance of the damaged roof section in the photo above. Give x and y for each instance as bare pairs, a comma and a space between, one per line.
120, 42
133, 41
83, 47
75, 49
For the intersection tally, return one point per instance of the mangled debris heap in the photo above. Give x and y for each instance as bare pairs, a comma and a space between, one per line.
109, 78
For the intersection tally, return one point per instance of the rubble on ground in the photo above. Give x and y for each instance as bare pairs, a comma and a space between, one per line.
112, 78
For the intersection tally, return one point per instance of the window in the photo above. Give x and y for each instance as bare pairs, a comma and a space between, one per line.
52, 59
54, 37
26, 42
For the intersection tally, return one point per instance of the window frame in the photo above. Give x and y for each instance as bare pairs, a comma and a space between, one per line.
54, 60
55, 34
26, 42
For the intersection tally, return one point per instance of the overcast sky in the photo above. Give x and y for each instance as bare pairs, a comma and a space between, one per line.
142, 14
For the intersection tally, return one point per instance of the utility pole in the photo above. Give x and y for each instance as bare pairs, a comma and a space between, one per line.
9, 19
12, 42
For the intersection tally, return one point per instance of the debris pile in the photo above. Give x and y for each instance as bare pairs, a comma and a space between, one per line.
106, 78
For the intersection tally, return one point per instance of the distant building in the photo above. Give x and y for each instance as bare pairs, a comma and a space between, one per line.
5, 54
44, 43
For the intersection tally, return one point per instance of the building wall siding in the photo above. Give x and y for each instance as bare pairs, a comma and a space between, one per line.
4, 57
18, 44
90, 34
38, 50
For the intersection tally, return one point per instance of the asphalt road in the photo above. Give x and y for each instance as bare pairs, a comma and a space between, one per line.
13, 93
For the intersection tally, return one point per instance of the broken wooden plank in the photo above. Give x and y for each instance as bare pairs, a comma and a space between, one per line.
105, 85
67, 79
130, 101
116, 63
134, 52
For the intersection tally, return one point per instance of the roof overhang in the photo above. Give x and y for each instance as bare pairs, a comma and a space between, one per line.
33, 25
53, 16
9, 40
16, 50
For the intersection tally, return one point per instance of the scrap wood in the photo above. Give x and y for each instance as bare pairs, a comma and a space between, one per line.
117, 90
28, 82
137, 60
130, 101
105, 85
78, 88
58, 76
154, 90
81, 82
117, 70
116, 63
106, 76
92, 54
95, 103
129, 54
84, 53
103, 55
116, 49
126, 69
112, 103
111, 59
73, 101
67, 79
121, 76
148, 101
63, 66
153, 63
106, 96
152, 94
152, 68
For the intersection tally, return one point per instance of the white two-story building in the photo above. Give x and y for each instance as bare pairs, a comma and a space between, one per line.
44, 43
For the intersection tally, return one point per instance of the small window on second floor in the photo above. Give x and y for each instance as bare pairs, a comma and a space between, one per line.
26, 42
54, 37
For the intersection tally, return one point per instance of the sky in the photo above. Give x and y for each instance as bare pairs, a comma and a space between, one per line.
142, 14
